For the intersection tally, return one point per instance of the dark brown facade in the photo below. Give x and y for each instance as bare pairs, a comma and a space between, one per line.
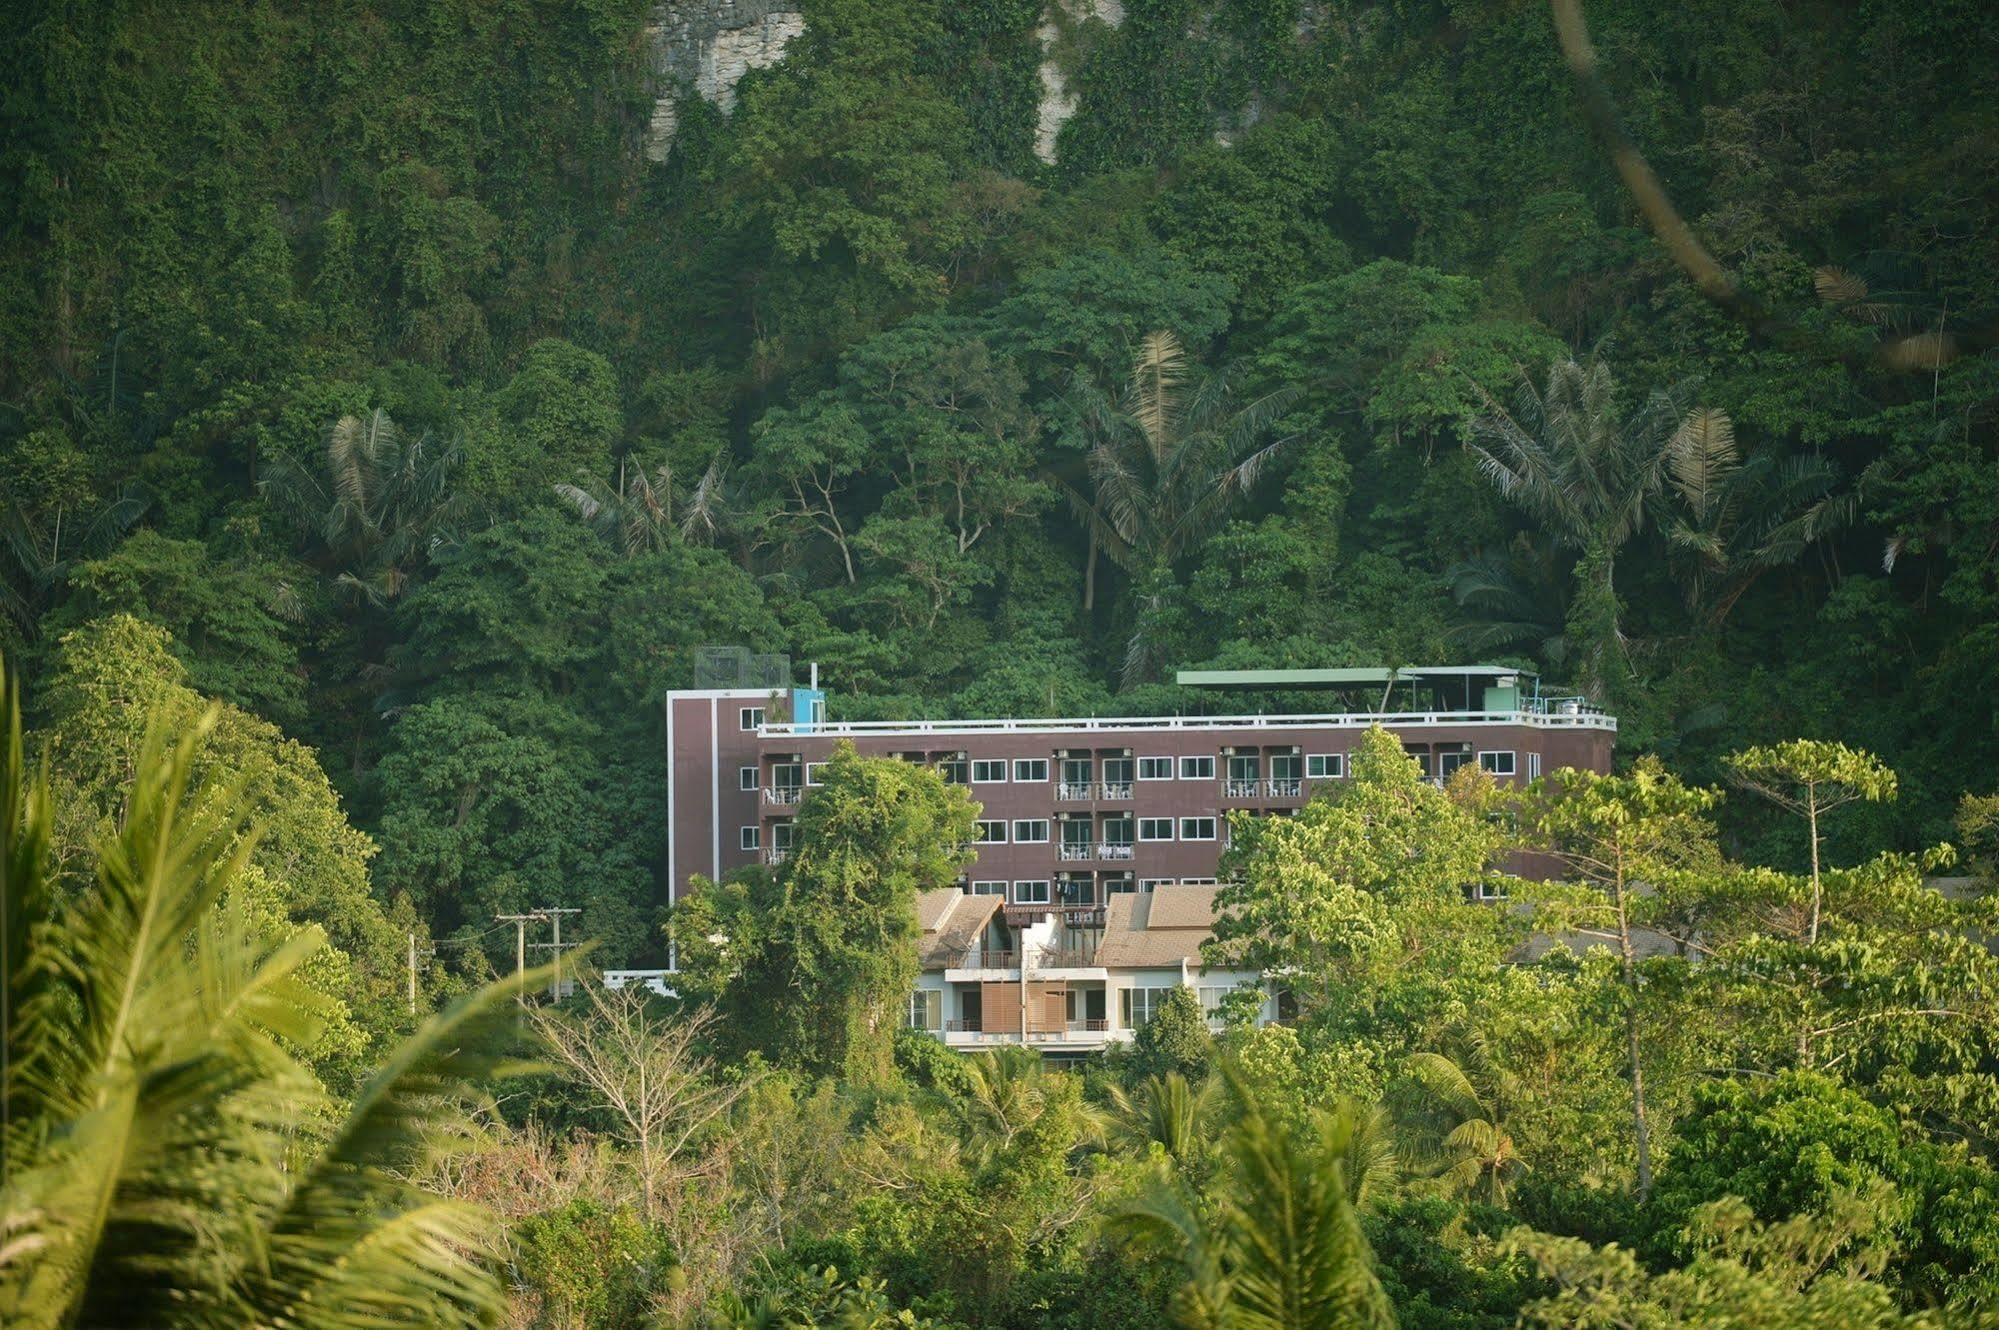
1083, 808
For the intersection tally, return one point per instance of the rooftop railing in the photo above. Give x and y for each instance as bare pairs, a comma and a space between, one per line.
1563, 717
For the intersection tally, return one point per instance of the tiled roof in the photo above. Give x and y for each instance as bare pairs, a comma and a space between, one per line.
951, 922
1157, 928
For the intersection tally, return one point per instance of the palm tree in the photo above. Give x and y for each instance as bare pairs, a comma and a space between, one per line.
377, 505
1588, 473
154, 1172
1512, 599
1458, 1123
1736, 519
1166, 457
1280, 1245
1166, 1111
639, 515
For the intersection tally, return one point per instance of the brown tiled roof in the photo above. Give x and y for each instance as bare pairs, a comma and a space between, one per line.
951, 922
1158, 928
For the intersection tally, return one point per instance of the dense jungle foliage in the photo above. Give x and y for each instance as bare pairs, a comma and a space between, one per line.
374, 406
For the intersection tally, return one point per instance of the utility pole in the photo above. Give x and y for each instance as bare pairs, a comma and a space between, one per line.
554, 916
520, 923
428, 952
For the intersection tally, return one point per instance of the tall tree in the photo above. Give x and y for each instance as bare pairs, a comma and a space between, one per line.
1588, 470
1621, 839
1809, 778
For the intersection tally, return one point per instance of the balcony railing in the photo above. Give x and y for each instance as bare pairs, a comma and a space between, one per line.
1077, 851
1285, 787
1242, 789
1115, 789
1072, 789
981, 958
781, 795
1114, 850
1066, 958
777, 855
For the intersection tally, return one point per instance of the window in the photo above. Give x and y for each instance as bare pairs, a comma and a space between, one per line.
1117, 771
1286, 766
1031, 831
780, 836
989, 833
953, 770
751, 717
1448, 763
750, 838
1326, 766
1197, 882
926, 1009
1499, 764
1197, 828
746, 778
1030, 768
1533, 766
1197, 768
815, 773
1121, 886
1154, 883
1243, 768
1155, 828
1030, 893
1140, 1005
1423, 763
1491, 889
1155, 768
989, 888
1076, 771
989, 771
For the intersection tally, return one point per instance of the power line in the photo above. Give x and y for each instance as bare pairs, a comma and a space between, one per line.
553, 914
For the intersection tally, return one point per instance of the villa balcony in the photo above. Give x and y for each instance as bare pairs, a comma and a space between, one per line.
1078, 851
984, 958
1073, 791
1115, 789
1114, 850
781, 796
1242, 789
1285, 787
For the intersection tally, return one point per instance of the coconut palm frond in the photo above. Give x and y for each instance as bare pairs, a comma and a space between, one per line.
1703, 458
1156, 375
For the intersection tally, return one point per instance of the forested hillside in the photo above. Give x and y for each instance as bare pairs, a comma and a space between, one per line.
394, 394
364, 350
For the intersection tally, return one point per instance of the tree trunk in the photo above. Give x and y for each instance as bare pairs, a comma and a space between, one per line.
1812, 814
1090, 574
1640, 1127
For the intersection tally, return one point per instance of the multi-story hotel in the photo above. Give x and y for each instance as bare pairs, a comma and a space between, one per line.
1079, 817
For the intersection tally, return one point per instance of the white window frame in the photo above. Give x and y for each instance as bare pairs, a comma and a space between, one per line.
931, 1003
1197, 882
988, 887
814, 773
1154, 822
988, 764
1197, 773
750, 838
1153, 762
1455, 760
1020, 897
1512, 762
1332, 766
1214, 828
1029, 763
1031, 823
1490, 891
750, 718
748, 778
1533, 766
1154, 883
1136, 1011
988, 824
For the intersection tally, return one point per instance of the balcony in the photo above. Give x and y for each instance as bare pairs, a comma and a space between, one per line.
1073, 790
777, 855
1077, 851
1066, 958
783, 796
984, 958
1285, 787
1242, 789
1115, 789
1114, 850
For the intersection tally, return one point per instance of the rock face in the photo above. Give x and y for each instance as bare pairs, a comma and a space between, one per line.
704, 47
1058, 102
